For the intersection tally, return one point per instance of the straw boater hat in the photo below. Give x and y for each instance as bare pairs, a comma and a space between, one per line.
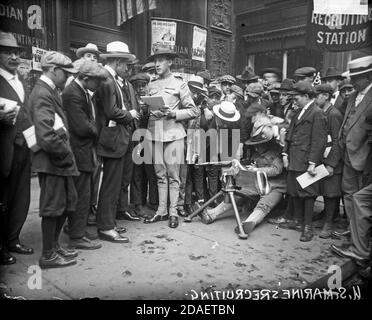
90, 47
360, 66
8, 40
197, 82
118, 49
227, 111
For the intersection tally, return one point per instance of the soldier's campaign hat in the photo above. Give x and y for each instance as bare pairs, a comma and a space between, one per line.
255, 89
8, 40
54, 58
197, 83
214, 90
360, 66
332, 73
305, 72
262, 134
118, 49
90, 47
237, 90
148, 67
92, 69
302, 87
140, 77
166, 51
227, 78
247, 75
286, 85
277, 71
255, 108
206, 75
227, 111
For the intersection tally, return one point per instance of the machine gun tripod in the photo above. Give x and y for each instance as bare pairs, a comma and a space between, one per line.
229, 190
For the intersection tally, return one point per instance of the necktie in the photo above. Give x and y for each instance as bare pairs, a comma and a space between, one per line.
90, 102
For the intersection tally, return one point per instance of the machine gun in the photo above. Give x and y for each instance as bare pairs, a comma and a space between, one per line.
237, 173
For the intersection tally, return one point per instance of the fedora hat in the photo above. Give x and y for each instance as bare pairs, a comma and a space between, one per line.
161, 50
262, 134
197, 83
90, 47
118, 49
247, 75
206, 75
227, 111
332, 73
360, 65
8, 40
286, 85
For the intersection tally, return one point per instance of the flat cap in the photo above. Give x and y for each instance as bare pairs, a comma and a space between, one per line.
254, 108
148, 67
92, 69
214, 90
255, 89
54, 58
274, 88
345, 84
227, 78
286, 85
140, 77
305, 72
237, 90
323, 88
302, 87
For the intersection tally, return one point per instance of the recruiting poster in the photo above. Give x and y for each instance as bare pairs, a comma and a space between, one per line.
163, 33
199, 44
338, 32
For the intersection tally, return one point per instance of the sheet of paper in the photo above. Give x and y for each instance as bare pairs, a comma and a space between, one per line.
9, 104
155, 102
58, 123
306, 179
30, 138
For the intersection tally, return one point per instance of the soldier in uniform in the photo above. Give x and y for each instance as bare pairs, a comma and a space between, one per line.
167, 133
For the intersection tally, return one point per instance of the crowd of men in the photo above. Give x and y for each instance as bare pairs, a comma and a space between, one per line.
90, 124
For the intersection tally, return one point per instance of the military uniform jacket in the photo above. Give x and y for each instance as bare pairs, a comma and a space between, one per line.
306, 139
83, 130
356, 143
113, 139
177, 97
12, 135
56, 156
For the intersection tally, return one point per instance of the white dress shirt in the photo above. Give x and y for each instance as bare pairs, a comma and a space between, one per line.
48, 81
114, 74
361, 95
14, 82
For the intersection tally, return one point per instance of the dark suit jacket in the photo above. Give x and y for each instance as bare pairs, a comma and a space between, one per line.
306, 139
334, 121
83, 130
12, 135
357, 137
55, 156
112, 141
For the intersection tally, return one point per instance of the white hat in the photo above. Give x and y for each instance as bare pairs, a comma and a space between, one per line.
197, 82
226, 111
90, 47
118, 49
360, 65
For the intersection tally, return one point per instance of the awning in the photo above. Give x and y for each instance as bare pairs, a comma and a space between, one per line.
270, 35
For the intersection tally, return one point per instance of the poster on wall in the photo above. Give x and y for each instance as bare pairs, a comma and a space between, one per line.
37, 53
199, 44
338, 31
163, 33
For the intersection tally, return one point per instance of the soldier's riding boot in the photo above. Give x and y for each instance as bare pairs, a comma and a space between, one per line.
173, 217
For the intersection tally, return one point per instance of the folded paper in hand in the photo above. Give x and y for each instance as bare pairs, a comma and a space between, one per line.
30, 135
10, 105
306, 179
155, 102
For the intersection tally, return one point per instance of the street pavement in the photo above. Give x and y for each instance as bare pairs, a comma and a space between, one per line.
164, 263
